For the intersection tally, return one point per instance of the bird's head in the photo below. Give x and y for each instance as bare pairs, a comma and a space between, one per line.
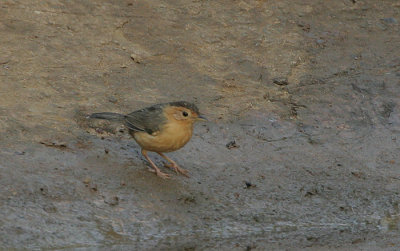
184, 112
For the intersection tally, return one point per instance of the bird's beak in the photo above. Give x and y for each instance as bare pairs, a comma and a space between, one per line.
201, 118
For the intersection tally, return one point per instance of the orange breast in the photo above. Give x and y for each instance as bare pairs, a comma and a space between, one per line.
170, 138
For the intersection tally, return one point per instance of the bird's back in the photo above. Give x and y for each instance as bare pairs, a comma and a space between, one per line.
148, 119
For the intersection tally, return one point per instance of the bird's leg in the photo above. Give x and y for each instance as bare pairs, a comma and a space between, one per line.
156, 169
173, 165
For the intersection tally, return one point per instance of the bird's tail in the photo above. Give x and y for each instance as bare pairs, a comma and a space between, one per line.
108, 116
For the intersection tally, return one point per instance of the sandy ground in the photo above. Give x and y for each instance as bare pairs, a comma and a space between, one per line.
308, 90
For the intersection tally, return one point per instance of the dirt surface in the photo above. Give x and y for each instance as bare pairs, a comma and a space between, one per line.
302, 149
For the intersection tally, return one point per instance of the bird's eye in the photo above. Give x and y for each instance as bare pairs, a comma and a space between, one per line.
185, 114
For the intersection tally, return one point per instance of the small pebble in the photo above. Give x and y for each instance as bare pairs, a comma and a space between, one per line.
93, 187
135, 58
249, 184
280, 81
87, 180
112, 200
232, 144
49, 208
112, 100
99, 130
390, 20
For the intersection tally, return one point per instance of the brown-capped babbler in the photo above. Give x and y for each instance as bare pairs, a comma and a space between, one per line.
160, 128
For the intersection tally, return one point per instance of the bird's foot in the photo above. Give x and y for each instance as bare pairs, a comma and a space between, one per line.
177, 169
160, 174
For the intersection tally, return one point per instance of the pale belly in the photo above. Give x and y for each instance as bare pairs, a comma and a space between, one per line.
171, 139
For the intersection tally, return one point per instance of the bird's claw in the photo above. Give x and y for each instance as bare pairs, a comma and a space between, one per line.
163, 175
160, 174
171, 166
177, 169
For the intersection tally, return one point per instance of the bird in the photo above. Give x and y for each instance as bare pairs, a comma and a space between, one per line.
159, 128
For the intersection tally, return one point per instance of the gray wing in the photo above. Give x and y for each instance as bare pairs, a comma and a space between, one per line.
146, 120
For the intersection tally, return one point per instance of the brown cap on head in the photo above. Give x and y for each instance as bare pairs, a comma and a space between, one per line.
187, 105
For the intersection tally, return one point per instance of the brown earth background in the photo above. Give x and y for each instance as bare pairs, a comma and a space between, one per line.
309, 91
